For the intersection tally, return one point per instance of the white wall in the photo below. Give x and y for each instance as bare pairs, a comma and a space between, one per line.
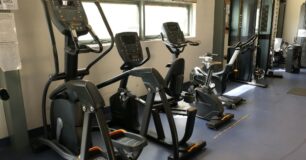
292, 19
37, 60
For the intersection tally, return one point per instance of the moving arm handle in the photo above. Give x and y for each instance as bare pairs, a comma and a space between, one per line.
97, 3
113, 80
148, 57
86, 48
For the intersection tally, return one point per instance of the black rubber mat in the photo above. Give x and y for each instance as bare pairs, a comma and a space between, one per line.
297, 91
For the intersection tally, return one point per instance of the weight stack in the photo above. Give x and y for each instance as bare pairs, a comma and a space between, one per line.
293, 60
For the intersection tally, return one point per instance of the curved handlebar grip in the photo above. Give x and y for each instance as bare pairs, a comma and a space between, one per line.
249, 42
97, 3
148, 53
96, 39
241, 45
148, 57
87, 48
235, 45
162, 36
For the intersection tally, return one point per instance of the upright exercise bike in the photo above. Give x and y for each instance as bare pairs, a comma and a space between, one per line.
123, 104
208, 105
218, 80
76, 102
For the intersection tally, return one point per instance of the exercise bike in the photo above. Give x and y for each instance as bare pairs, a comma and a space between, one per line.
175, 41
218, 81
123, 104
76, 102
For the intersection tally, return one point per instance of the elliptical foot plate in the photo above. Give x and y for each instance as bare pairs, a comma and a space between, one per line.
217, 122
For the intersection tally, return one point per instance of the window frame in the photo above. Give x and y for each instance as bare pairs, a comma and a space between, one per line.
141, 9
188, 6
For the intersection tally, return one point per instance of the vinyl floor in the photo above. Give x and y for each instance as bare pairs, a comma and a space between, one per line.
270, 125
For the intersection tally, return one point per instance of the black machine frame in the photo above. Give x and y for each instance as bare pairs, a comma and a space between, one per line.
155, 84
89, 100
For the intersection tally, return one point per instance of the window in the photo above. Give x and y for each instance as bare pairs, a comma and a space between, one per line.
156, 15
121, 17
139, 16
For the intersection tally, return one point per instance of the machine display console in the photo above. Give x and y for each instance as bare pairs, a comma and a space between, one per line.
129, 48
68, 15
173, 33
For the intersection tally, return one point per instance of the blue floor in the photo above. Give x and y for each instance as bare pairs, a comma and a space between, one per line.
269, 126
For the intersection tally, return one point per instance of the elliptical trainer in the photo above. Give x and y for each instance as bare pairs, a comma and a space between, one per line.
76, 102
175, 41
123, 104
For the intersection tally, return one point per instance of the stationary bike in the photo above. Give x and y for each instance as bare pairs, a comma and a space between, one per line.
208, 105
219, 79
123, 104
76, 102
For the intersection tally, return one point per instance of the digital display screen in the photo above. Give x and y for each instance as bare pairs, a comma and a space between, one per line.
129, 39
173, 27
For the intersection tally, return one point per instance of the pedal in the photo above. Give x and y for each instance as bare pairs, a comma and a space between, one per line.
217, 122
231, 106
96, 153
127, 141
189, 150
195, 147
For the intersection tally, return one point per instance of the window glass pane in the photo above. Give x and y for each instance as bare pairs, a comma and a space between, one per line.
156, 15
121, 17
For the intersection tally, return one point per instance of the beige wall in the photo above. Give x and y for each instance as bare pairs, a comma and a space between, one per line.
37, 62
292, 19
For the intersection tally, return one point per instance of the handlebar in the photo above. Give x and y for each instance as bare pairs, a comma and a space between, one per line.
180, 45
126, 66
249, 42
97, 3
242, 45
148, 56
96, 39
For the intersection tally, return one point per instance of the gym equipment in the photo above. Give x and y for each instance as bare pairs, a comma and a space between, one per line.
279, 51
129, 48
276, 58
248, 67
209, 106
3, 94
265, 33
175, 41
301, 37
293, 59
124, 112
268, 24
75, 103
217, 83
